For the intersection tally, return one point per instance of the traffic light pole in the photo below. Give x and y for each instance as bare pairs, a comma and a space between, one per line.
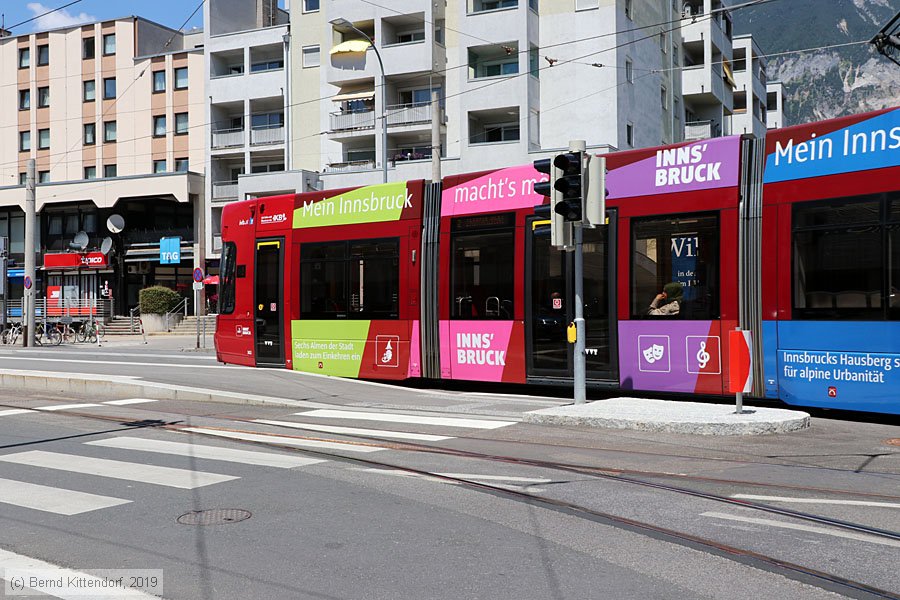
579, 362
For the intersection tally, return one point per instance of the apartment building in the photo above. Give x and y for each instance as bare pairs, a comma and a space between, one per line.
109, 111
246, 75
514, 78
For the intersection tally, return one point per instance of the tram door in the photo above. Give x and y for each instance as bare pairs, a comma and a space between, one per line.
269, 304
550, 287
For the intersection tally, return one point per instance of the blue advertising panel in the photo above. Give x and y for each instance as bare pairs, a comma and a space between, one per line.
170, 250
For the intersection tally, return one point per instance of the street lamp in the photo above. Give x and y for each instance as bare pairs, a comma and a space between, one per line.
345, 24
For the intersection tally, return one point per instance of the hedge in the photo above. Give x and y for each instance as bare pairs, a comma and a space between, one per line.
158, 300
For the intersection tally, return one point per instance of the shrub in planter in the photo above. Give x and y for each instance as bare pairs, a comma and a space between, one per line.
158, 300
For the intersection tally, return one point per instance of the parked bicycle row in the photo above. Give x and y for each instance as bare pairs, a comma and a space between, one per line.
54, 333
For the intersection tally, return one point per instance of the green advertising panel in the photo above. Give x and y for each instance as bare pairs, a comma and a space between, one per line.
329, 347
370, 204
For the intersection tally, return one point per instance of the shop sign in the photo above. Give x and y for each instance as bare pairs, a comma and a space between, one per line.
76, 260
170, 250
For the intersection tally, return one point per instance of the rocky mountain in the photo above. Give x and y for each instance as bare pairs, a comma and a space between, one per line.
826, 83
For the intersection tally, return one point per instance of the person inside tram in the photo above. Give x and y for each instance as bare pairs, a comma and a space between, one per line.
668, 302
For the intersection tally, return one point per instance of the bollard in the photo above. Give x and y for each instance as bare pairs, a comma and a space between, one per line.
143, 334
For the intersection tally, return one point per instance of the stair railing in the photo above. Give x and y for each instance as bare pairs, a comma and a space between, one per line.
134, 312
180, 308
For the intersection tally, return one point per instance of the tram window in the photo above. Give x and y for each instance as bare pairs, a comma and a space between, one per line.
482, 284
226, 294
350, 279
683, 250
840, 252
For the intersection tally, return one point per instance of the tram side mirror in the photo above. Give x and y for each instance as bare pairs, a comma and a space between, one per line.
241, 271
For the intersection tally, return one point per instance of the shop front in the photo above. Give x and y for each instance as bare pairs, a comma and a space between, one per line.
78, 284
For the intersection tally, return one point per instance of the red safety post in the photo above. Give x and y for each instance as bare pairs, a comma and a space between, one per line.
740, 363
144, 335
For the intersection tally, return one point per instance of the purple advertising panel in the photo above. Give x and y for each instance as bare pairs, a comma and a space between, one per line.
703, 165
505, 189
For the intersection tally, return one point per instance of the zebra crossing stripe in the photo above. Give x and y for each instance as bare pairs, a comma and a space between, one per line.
52, 407
15, 411
52, 499
325, 413
281, 440
116, 469
247, 457
397, 435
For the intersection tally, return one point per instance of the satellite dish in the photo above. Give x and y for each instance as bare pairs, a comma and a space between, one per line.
81, 240
106, 245
115, 223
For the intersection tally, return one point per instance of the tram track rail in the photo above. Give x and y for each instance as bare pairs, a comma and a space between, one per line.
825, 580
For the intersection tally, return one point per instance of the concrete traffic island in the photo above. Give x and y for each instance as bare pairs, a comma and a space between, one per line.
672, 417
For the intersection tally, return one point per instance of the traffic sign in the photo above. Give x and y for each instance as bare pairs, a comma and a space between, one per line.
27, 283
198, 274
198, 285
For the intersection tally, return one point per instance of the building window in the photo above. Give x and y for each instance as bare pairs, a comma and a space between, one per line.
266, 65
24, 99
350, 279
159, 126
629, 70
311, 56
663, 43
44, 177
90, 172
159, 166
534, 62
90, 134
846, 258
481, 282
24, 58
181, 165
109, 44
267, 168
586, 4
629, 9
629, 134
109, 131
23, 178
181, 123
159, 81
43, 139
495, 68
43, 55
109, 170
181, 78
267, 121
90, 90
88, 48
409, 37
24, 141
664, 98
109, 88
681, 251
310, 5
43, 97
533, 5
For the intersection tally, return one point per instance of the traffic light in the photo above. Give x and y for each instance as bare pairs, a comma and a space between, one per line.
570, 185
595, 192
550, 222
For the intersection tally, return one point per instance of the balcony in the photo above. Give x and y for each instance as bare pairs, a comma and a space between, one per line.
408, 114
227, 138
350, 166
343, 121
225, 190
273, 134
701, 130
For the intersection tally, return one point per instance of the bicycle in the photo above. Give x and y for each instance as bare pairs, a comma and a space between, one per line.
11, 334
89, 331
51, 335
69, 333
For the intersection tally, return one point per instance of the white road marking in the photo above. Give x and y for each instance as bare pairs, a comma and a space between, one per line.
113, 362
51, 499
400, 435
473, 478
14, 411
476, 477
11, 562
116, 469
817, 501
109, 353
281, 440
129, 401
402, 418
861, 537
248, 457
64, 406
402, 473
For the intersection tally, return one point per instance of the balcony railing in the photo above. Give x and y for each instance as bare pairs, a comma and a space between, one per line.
227, 138
222, 190
699, 130
342, 121
406, 114
350, 166
273, 134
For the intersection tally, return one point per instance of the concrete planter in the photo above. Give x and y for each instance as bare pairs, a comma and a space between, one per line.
157, 323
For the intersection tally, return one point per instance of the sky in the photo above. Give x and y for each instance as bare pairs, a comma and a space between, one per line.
171, 13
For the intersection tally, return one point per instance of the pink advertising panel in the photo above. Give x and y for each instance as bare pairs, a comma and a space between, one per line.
506, 189
475, 350
415, 369
703, 165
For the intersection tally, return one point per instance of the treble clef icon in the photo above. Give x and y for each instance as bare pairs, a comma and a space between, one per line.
702, 355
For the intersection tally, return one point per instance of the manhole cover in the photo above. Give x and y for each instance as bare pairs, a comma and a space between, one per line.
894, 441
214, 516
